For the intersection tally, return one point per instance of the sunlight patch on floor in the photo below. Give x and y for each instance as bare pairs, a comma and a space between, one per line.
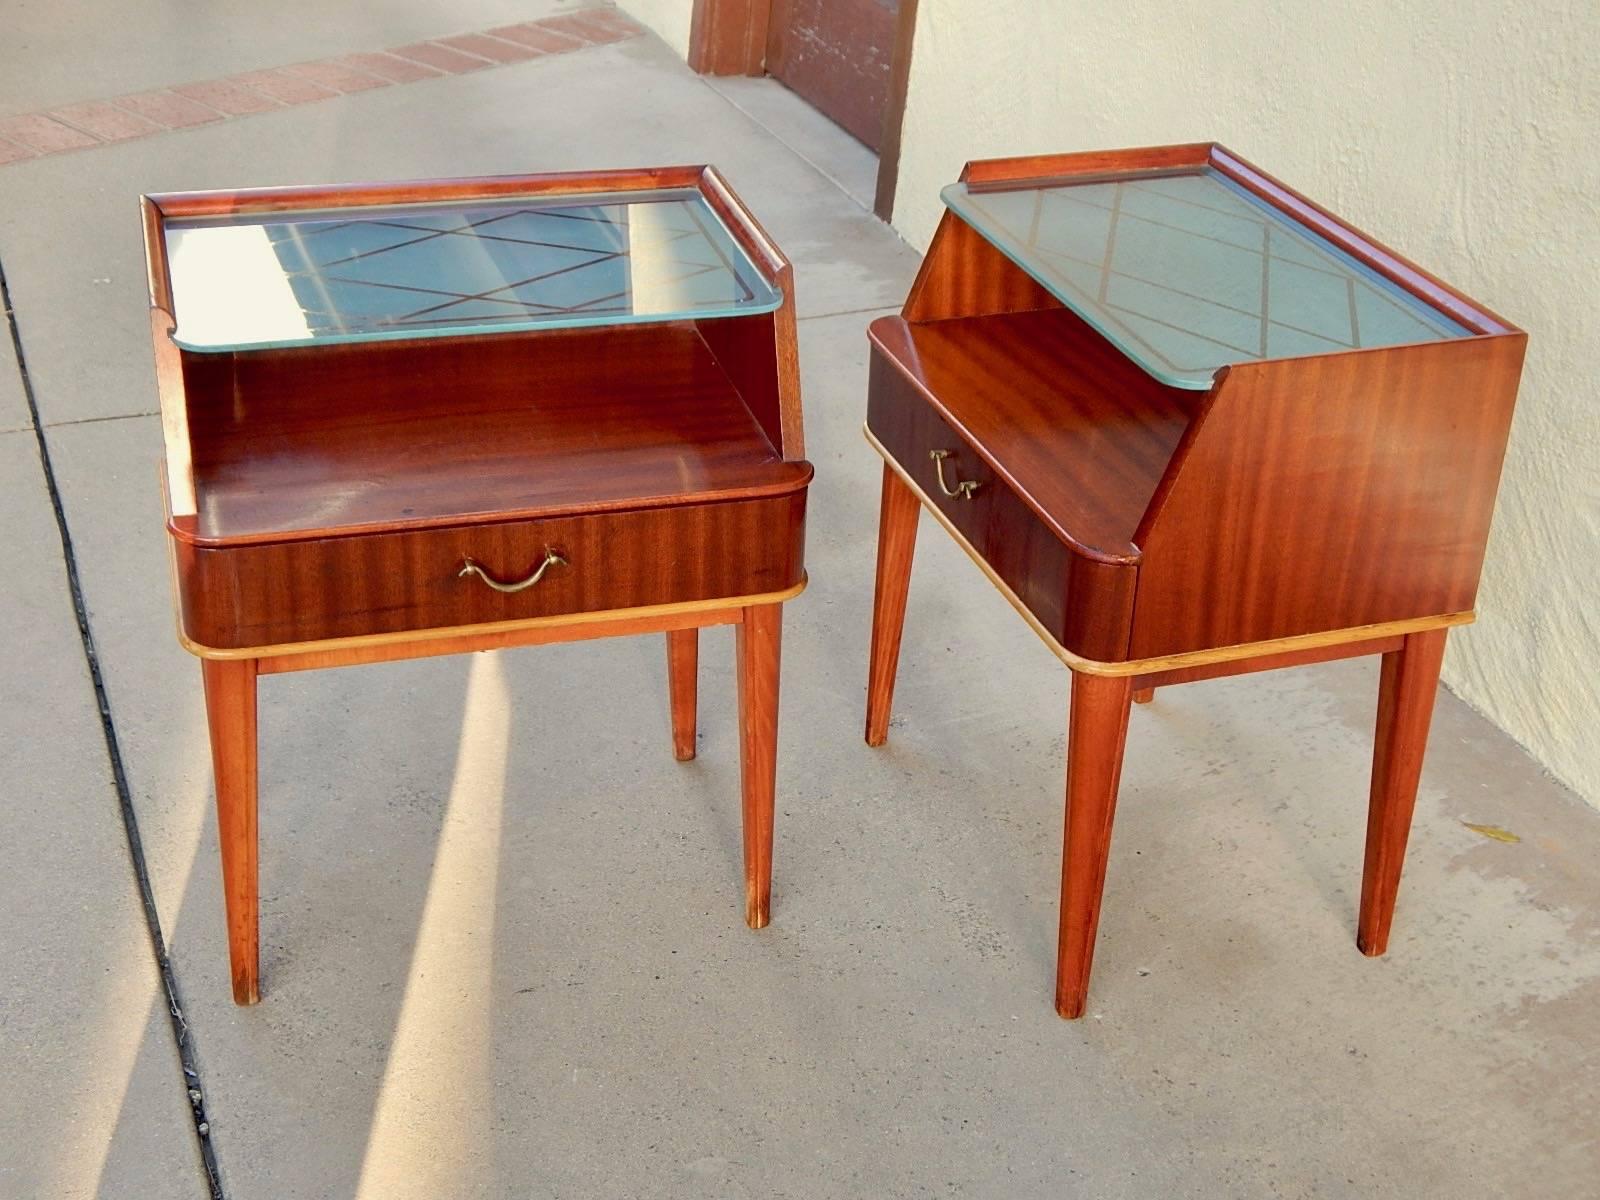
427, 1129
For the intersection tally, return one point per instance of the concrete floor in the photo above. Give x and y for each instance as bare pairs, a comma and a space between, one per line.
503, 950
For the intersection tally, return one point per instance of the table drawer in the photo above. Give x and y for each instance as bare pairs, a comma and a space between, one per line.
1084, 603
914, 433
309, 590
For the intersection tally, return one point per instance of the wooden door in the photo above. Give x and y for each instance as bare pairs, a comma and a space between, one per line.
837, 54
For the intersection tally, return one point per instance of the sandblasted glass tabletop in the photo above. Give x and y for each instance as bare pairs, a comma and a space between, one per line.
1186, 273
258, 280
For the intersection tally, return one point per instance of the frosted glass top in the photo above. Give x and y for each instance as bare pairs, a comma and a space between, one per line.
1186, 273
254, 280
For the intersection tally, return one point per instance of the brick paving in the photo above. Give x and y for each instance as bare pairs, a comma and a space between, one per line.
117, 119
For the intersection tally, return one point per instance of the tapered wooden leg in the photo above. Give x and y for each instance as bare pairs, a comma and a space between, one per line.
759, 639
1406, 690
1143, 695
897, 538
231, 715
683, 663
1097, 733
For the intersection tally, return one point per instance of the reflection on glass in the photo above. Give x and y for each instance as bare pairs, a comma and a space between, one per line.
360, 274
1186, 273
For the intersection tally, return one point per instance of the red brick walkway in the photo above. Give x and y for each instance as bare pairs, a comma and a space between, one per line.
96, 122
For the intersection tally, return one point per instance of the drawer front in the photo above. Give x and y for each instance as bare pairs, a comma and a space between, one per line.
909, 428
1085, 604
305, 591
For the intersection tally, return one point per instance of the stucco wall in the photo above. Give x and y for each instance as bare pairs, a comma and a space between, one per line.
1466, 134
669, 19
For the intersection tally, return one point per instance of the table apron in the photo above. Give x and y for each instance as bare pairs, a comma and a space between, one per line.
394, 582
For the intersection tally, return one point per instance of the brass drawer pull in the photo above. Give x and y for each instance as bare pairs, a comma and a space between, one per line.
468, 567
963, 489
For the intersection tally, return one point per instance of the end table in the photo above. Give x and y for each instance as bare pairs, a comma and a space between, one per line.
427, 418
1190, 424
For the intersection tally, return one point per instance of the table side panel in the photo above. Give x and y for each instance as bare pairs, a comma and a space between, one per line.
1086, 605
746, 349
1329, 492
310, 590
963, 275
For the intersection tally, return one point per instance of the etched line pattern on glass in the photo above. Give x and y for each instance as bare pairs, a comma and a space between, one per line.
1188, 273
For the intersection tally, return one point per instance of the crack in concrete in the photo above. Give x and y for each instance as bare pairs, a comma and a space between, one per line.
193, 1089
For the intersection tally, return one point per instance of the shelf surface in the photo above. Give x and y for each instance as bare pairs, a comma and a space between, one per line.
275, 279
1188, 272
1081, 434
317, 442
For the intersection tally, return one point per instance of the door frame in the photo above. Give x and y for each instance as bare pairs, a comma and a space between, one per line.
729, 37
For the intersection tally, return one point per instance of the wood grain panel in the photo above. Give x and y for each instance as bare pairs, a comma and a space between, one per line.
1328, 492
746, 348
963, 275
281, 592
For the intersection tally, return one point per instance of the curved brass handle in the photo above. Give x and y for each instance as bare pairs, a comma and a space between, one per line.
468, 567
963, 489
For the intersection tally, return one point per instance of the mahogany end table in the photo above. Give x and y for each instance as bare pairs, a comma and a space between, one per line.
1190, 424
429, 418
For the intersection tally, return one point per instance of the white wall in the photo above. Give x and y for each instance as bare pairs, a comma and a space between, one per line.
1465, 134
668, 19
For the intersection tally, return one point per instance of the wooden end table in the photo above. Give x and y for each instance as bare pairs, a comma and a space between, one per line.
1191, 425
428, 418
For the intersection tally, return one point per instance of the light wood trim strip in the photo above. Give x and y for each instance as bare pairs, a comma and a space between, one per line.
1170, 662
503, 633
1304, 657
538, 636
